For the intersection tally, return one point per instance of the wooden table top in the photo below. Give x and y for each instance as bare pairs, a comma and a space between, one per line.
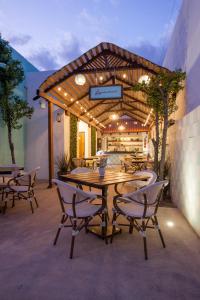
94, 180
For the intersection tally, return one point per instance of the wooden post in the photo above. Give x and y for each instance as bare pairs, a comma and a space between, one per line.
50, 143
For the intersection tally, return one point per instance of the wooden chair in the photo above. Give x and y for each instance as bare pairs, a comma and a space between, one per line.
138, 184
22, 187
78, 211
13, 171
140, 208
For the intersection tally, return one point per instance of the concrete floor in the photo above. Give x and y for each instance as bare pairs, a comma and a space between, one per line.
32, 268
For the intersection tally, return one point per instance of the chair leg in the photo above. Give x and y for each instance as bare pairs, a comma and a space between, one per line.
36, 201
104, 227
31, 205
13, 201
72, 247
131, 227
144, 240
113, 226
72, 240
86, 229
160, 233
58, 231
4, 208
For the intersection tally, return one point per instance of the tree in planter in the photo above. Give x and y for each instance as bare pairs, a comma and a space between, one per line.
12, 107
161, 91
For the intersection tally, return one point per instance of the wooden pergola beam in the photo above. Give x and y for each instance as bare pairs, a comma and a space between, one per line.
135, 99
136, 108
107, 110
50, 143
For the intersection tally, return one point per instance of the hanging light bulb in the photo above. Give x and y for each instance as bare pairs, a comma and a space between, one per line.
80, 79
121, 127
114, 117
144, 78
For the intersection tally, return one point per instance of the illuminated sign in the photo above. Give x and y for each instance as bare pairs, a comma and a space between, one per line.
106, 92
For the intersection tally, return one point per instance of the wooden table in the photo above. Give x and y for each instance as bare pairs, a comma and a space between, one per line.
92, 179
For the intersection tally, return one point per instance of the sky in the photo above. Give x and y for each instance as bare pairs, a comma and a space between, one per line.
51, 33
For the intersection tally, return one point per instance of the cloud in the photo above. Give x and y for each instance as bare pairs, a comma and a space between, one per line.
61, 53
69, 48
19, 40
44, 60
155, 53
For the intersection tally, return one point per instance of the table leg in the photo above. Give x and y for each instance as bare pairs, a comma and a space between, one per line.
107, 230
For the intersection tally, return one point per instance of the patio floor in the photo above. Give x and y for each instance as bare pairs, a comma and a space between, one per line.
31, 268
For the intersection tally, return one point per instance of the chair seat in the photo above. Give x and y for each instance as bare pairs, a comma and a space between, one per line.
84, 210
19, 188
135, 210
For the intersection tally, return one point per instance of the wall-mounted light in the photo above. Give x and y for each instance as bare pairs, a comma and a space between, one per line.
58, 117
42, 104
80, 79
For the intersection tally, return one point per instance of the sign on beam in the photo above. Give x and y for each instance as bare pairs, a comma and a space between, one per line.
106, 92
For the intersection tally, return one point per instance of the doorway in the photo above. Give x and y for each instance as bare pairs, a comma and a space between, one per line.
81, 144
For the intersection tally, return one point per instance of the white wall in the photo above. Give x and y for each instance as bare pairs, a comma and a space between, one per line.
184, 50
36, 141
184, 136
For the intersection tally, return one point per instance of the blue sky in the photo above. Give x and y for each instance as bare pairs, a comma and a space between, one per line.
50, 33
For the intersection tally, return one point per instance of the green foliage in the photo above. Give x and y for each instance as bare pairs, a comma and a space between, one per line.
93, 140
63, 163
161, 90
12, 107
13, 110
73, 136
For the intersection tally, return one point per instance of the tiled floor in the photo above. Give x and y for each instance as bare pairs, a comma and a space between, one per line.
32, 268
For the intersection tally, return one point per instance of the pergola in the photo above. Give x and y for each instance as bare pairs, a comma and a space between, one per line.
105, 64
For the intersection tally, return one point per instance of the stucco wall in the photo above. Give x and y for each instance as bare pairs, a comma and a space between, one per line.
184, 136
184, 50
184, 153
36, 145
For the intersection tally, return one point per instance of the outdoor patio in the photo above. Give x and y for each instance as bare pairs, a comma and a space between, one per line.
32, 268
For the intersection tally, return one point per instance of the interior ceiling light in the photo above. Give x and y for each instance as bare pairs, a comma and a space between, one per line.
121, 127
124, 75
101, 78
114, 117
80, 79
59, 88
71, 99
144, 78
65, 94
